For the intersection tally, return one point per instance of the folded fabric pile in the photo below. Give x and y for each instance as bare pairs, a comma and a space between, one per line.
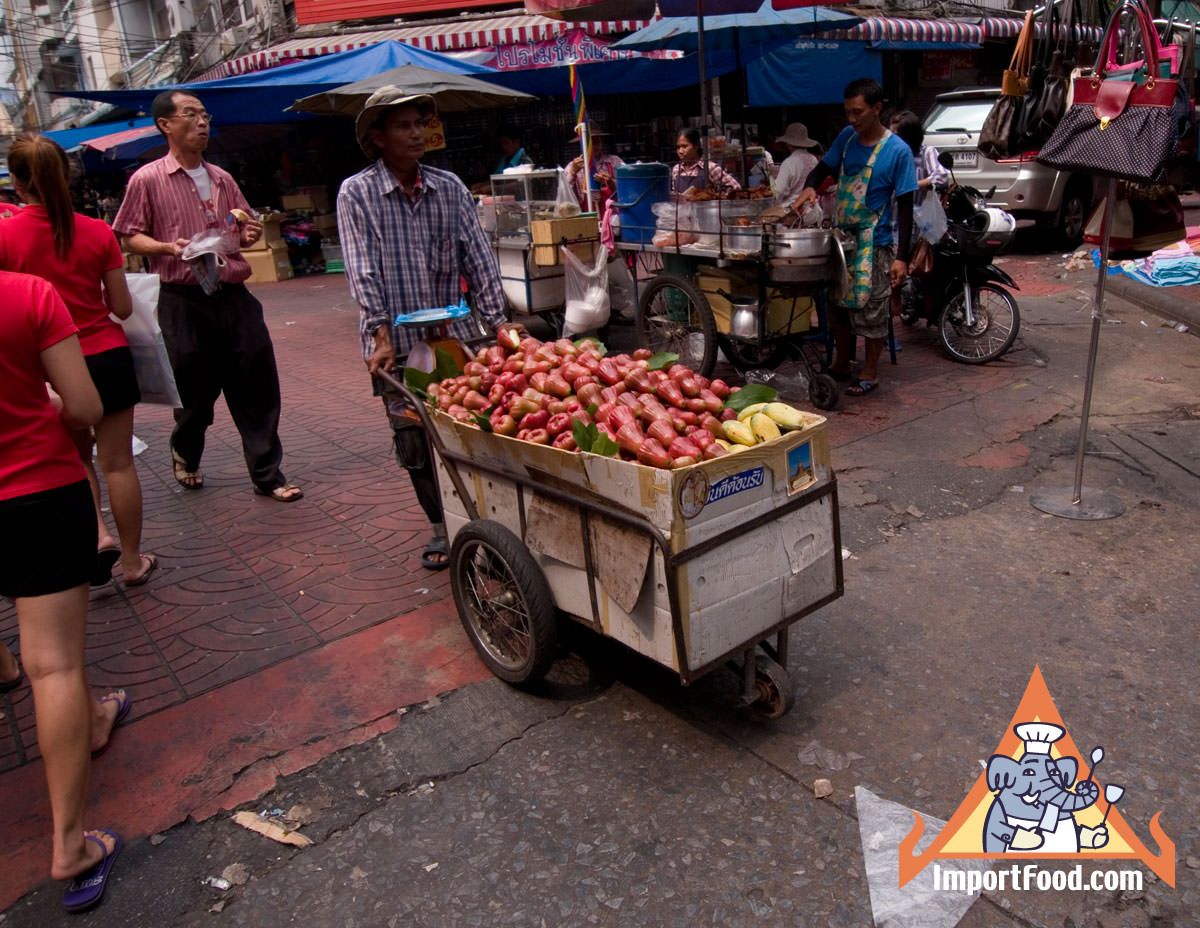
1176, 265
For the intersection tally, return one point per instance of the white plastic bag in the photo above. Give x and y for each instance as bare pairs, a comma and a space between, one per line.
930, 219
586, 284
565, 204
151, 365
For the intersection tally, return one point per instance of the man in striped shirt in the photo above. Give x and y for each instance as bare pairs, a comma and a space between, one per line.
217, 341
410, 236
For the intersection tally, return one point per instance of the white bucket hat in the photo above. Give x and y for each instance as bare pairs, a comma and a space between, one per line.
797, 134
384, 99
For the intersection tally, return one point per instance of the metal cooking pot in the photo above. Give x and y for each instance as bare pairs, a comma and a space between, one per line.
801, 243
743, 239
800, 270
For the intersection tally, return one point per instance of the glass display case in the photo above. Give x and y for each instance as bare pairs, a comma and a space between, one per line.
519, 199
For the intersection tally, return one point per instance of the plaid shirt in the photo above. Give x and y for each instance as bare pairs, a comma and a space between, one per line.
718, 178
405, 253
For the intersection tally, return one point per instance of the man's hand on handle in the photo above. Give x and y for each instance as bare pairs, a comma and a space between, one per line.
383, 358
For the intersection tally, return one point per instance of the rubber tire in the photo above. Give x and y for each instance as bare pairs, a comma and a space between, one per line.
823, 391
747, 357
1074, 211
944, 327
524, 580
662, 335
778, 692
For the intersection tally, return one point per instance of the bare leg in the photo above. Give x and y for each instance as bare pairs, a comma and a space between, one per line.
52, 636
9, 668
843, 347
83, 443
870, 368
104, 717
114, 445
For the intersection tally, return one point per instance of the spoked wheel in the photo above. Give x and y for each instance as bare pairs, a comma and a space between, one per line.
776, 692
823, 391
503, 601
993, 331
746, 356
672, 315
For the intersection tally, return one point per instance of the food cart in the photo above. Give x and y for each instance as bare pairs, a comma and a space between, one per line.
526, 229
693, 567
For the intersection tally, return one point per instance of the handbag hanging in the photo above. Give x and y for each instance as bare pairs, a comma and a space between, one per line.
999, 136
1145, 217
1128, 129
1043, 111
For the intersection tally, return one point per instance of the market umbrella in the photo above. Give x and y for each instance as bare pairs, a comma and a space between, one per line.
453, 92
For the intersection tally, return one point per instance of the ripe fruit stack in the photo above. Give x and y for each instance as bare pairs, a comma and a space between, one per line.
536, 391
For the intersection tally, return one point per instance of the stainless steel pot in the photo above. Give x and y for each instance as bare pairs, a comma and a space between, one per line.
800, 270
741, 239
800, 243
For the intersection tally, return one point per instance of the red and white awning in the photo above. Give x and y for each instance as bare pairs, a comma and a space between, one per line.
896, 29
1004, 27
461, 35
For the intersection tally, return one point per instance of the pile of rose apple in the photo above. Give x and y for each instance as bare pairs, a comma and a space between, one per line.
574, 396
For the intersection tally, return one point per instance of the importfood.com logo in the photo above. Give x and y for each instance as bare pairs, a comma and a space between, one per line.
1039, 797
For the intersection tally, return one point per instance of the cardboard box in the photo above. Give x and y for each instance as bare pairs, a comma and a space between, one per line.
326, 224
134, 264
579, 233
269, 265
740, 583
308, 200
271, 230
786, 314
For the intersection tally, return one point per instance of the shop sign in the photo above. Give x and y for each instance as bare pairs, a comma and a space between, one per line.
435, 135
333, 11
574, 47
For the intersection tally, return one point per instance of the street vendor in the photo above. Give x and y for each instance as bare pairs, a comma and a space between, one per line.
692, 175
872, 166
409, 235
797, 165
604, 171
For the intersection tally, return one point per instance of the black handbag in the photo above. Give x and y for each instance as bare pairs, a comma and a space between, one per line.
1000, 134
1044, 107
1128, 128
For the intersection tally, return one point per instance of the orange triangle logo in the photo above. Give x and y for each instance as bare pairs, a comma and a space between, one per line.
1039, 798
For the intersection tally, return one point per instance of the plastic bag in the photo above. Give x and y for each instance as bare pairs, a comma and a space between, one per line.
586, 284
151, 366
565, 204
930, 219
622, 294
205, 256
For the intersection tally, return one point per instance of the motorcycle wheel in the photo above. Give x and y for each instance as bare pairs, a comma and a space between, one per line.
997, 320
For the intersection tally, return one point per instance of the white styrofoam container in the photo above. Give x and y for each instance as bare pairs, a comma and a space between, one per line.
529, 287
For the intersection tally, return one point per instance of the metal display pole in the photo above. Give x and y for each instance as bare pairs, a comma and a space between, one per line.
1079, 502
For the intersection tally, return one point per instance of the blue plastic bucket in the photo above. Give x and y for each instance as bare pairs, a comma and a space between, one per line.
639, 187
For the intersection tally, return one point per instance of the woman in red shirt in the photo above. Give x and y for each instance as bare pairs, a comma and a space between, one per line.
47, 553
80, 256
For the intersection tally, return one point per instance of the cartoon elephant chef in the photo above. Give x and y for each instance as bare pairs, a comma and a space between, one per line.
1035, 802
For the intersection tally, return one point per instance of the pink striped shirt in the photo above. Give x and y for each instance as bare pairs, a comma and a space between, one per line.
162, 201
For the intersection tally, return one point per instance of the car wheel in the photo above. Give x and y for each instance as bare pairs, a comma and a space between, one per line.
1073, 214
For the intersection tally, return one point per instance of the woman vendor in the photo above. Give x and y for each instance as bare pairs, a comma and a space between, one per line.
693, 174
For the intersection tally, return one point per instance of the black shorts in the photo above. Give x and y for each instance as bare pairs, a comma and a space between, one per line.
48, 542
112, 373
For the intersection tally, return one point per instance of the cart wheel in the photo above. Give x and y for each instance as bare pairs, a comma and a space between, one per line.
823, 391
776, 693
503, 601
746, 356
672, 315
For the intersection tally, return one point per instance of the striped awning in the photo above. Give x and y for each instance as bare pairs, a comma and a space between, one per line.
896, 29
1004, 27
457, 35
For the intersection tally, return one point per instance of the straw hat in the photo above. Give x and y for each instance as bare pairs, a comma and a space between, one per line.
384, 99
797, 134
594, 133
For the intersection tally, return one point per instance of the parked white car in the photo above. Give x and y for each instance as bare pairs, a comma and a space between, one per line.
1058, 202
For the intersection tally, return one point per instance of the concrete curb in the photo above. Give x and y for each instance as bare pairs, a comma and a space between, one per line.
1171, 302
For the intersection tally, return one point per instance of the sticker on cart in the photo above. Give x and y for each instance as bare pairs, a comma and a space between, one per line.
800, 468
693, 494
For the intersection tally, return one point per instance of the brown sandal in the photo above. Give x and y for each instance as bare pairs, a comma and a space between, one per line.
188, 479
286, 493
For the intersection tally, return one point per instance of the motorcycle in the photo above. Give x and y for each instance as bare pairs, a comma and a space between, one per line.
964, 295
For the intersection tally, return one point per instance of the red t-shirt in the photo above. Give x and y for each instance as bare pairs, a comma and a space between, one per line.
36, 453
27, 245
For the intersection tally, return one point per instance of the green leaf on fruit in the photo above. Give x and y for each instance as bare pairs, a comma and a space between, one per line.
605, 446
481, 420
600, 346
659, 361
446, 366
418, 381
749, 395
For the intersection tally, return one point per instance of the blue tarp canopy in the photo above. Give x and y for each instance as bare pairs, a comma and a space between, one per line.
262, 96
809, 71
622, 76
72, 138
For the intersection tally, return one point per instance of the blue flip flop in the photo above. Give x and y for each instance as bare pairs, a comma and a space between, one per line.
121, 698
862, 388
85, 891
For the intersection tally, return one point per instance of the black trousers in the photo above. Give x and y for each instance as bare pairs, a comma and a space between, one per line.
218, 344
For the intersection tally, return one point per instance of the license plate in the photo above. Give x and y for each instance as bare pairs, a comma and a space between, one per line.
965, 159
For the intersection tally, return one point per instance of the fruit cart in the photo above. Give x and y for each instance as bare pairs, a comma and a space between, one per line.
694, 567
724, 281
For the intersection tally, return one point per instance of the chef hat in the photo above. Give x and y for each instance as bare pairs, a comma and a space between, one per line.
1038, 736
